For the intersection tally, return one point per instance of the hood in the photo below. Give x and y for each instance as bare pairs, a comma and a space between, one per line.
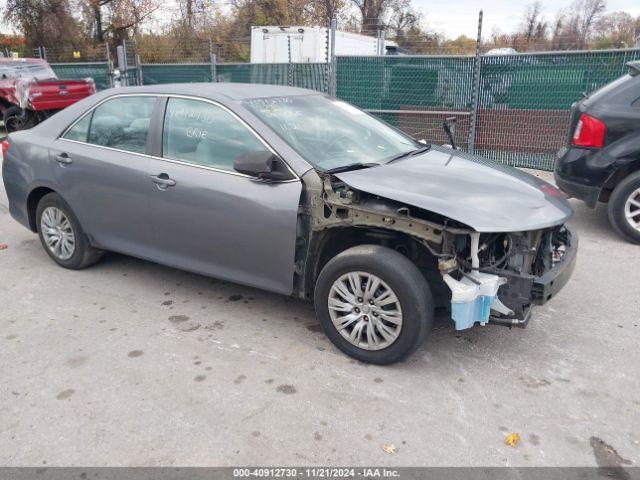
485, 195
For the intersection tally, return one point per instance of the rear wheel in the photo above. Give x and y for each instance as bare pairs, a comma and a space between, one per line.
374, 304
62, 236
15, 119
624, 208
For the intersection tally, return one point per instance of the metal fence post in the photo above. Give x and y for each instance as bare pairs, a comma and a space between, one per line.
44, 53
332, 51
109, 64
139, 70
289, 66
213, 60
122, 65
475, 92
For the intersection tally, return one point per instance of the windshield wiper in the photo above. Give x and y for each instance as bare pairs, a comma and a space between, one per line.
410, 153
351, 166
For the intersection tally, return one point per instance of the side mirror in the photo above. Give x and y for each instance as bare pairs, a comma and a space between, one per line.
263, 165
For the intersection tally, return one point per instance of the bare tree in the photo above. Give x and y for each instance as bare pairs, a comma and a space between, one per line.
406, 29
114, 18
617, 30
372, 12
44, 22
578, 24
535, 27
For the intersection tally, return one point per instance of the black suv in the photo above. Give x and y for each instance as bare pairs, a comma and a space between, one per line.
602, 162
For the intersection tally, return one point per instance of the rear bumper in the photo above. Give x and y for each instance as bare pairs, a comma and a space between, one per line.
587, 193
582, 172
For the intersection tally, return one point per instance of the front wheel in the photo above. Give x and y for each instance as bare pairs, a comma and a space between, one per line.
374, 304
624, 208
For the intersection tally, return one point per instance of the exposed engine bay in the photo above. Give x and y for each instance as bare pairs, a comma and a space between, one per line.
481, 277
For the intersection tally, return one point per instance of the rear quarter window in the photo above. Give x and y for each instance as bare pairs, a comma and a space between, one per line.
80, 130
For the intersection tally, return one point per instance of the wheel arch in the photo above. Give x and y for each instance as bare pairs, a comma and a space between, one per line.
328, 243
33, 199
617, 176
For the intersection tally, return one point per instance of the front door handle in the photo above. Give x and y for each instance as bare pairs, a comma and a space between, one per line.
163, 181
64, 159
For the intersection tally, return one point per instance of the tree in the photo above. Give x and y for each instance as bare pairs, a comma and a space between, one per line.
44, 22
372, 12
534, 26
617, 30
405, 28
321, 12
575, 26
115, 18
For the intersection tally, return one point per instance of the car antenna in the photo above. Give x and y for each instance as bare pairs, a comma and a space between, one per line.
449, 127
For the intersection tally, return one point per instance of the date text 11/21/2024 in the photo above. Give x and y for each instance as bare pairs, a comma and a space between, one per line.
316, 472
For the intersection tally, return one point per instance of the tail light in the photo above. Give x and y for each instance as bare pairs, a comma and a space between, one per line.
5, 147
589, 132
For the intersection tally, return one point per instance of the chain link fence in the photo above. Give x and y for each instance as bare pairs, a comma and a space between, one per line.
512, 108
523, 102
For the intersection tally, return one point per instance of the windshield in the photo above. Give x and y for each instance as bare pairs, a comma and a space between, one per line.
331, 134
18, 69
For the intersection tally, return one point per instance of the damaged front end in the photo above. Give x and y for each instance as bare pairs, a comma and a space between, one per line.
497, 278
482, 277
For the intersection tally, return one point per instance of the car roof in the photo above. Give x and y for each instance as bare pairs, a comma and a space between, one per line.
234, 91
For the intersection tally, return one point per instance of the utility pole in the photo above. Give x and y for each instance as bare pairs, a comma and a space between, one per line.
475, 93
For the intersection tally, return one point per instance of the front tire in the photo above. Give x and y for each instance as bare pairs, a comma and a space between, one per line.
624, 208
374, 304
62, 236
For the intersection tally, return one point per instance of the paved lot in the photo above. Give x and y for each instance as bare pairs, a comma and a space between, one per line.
132, 363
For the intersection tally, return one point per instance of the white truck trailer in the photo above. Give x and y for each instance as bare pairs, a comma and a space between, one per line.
309, 44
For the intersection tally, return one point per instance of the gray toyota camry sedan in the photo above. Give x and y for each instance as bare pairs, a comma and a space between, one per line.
294, 192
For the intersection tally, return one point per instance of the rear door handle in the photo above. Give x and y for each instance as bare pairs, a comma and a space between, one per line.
64, 159
163, 181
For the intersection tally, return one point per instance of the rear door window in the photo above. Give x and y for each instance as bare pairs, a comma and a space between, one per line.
122, 123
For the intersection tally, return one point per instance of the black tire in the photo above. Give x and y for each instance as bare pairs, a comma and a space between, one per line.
15, 119
84, 254
617, 202
404, 279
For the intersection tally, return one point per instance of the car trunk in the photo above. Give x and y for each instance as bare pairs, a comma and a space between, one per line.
58, 94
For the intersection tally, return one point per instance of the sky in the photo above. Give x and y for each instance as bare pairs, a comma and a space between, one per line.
461, 17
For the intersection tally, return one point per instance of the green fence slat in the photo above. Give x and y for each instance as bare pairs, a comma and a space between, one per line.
153, 74
99, 71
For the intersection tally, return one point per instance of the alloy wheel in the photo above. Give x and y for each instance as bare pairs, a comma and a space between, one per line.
632, 209
58, 233
365, 310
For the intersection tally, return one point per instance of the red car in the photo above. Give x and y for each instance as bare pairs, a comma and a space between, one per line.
30, 92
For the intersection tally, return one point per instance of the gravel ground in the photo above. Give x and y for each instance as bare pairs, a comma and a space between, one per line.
132, 363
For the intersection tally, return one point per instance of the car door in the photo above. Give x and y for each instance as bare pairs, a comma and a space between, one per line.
100, 166
208, 218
